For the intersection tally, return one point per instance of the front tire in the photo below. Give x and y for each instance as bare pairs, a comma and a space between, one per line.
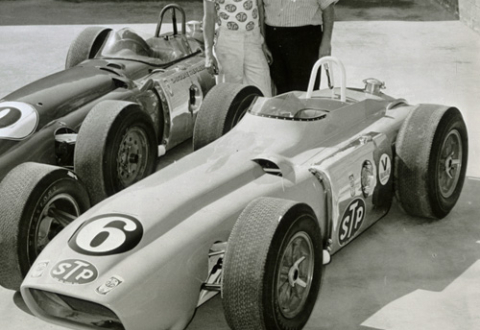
222, 109
116, 147
37, 202
431, 162
274, 253
86, 45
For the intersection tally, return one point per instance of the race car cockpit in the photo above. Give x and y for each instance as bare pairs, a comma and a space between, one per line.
127, 44
286, 106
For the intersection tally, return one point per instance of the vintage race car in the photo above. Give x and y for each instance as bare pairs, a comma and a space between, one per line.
120, 102
275, 187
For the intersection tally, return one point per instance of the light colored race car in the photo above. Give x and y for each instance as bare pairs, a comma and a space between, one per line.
120, 102
274, 188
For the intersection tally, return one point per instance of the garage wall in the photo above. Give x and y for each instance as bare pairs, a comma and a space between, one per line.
467, 10
451, 5
470, 13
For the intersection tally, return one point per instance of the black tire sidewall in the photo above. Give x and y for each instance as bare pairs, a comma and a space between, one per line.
126, 119
298, 220
86, 45
239, 107
452, 120
53, 184
222, 108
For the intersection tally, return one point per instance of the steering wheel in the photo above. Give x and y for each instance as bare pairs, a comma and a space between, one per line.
327, 62
173, 7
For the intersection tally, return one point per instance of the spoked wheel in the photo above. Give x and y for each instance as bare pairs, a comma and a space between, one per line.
37, 202
449, 166
223, 108
272, 267
131, 160
55, 215
295, 274
431, 162
116, 147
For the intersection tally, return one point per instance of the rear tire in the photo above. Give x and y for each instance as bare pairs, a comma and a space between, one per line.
86, 45
274, 251
37, 202
431, 161
222, 109
116, 147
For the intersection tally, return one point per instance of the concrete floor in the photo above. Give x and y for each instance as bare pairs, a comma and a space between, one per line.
404, 272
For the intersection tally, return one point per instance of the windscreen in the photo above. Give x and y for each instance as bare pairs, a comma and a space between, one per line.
285, 106
126, 44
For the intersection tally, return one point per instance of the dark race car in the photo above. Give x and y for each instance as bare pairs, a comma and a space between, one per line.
121, 102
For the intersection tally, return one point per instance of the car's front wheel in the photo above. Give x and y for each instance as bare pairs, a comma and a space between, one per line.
86, 45
116, 147
37, 202
222, 109
272, 266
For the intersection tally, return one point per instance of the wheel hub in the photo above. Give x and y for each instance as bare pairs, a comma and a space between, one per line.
132, 156
450, 163
53, 217
295, 275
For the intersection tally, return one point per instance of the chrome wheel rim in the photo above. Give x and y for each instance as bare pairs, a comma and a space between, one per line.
132, 156
57, 213
450, 163
295, 275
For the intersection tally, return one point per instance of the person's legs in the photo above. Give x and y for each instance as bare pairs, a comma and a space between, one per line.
230, 55
256, 68
274, 38
295, 51
304, 44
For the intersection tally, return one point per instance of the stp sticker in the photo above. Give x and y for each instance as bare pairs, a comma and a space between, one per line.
107, 234
384, 169
74, 271
352, 220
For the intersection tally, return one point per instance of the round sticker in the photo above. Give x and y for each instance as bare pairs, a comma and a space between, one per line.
352, 221
73, 271
107, 234
384, 169
17, 120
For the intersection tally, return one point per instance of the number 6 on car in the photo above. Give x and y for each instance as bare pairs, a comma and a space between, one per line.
107, 235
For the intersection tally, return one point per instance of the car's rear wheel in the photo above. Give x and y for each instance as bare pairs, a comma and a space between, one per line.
272, 267
116, 147
223, 107
86, 45
37, 202
431, 161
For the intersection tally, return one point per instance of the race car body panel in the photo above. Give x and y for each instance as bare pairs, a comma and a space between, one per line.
148, 246
169, 91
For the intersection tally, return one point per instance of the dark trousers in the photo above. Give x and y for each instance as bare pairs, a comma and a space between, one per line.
295, 50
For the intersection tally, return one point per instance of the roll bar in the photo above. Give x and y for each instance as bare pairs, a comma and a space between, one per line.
171, 7
326, 62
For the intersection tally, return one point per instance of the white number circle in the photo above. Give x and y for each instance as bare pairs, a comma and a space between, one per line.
107, 235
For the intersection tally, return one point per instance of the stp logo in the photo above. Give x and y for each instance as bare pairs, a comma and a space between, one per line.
352, 220
74, 271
